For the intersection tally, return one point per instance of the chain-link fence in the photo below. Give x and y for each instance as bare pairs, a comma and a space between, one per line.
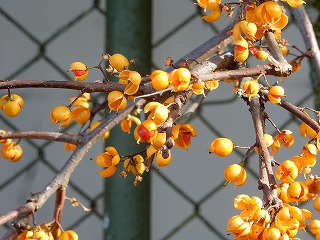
39, 41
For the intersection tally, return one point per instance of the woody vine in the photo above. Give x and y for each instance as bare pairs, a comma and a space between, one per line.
255, 29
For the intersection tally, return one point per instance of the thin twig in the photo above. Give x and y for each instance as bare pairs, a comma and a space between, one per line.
51, 136
58, 209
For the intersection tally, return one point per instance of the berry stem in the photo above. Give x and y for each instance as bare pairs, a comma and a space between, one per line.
58, 209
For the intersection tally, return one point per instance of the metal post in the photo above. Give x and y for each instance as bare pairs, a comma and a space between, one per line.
127, 208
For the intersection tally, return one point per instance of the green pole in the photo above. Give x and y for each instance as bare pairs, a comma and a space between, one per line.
127, 208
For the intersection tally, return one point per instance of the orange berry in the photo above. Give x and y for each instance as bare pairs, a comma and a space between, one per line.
70, 147
296, 65
160, 140
180, 78
61, 114
146, 131
126, 123
132, 79
251, 88
272, 233
159, 113
80, 114
109, 158
12, 152
134, 164
261, 217
262, 55
159, 80
275, 93
80, 70
268, 140
316, 204
273, 9
119, 62
161, 161
295, 3
297, 191
116, 101
309, 149
215, 14
285, 138
235, 173
68, 235
81, 101
205, 3
282, 190
306, 130
283, 49
108, 172
212, 84
237, 225
287, 171
222, 147
182, 134
314, 227
11, 104
297, 159
248, 28
198, 88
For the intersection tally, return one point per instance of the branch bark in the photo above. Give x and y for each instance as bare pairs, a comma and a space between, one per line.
305, 26
267, 182
52, 136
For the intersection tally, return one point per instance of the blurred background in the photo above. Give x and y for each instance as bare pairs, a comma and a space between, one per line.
185, 200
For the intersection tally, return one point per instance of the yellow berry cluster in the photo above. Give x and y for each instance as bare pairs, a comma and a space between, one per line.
150, 130
44, 232
255, 221
233, 173
255, 21
80, 111
252, 88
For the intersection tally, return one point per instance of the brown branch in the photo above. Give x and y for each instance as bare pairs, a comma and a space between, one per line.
192, 108
23, 210
72, 85
215, 44
278, 59
296, 111
52, 136
305, 26
299, 114
267, 180
58, 208
144, 89
239, 73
